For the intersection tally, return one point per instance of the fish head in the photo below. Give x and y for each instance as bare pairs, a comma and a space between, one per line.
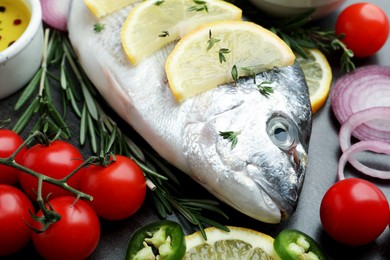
250, 148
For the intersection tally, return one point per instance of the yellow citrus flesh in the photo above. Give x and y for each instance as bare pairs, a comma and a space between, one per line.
193, 66
318, 76
101, 8
239, 243
154, 23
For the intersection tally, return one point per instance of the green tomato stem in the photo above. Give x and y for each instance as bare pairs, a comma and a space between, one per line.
10, 161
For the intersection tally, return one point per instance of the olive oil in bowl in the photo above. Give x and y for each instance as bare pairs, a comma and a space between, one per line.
14, 19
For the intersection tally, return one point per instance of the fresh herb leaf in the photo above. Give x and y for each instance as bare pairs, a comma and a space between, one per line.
199, 2
230, 136
98, 27
159, 2
234, 73
265, 89
221, 54
251, 72
199, 6
164, 34
211, 41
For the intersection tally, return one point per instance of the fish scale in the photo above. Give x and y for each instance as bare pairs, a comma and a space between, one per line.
262, 176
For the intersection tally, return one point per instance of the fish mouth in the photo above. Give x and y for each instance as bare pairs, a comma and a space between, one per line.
284, 192
285, 205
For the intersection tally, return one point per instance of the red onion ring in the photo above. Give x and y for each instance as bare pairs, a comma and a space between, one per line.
366, 87
374, 146
55, 13
357, 119
361, 117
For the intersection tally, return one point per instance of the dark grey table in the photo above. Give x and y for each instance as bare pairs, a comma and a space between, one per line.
323, 157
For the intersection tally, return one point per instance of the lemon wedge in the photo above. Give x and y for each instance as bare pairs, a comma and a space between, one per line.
210, 56
102, 8
318, 76
154, 23
239, 243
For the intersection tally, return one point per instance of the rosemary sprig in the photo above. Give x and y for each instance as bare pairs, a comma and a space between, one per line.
299, 33
101, 131
50, 120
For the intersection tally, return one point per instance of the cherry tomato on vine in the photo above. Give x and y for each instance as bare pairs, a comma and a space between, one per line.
14, 214
354, 211
56, 160
75, 236
118, 189
9, 143
366, 28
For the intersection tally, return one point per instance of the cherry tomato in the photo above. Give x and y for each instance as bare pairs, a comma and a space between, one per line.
118, 189
14, 214
366, 28
9, 142
75, 236
354, 211
56, 160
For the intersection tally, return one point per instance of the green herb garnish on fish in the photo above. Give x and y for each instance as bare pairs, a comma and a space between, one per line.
199, 6
164, 34
231, 136
221, 54
265, 89
98, 27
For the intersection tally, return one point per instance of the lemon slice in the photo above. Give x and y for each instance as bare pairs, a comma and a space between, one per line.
101, 8
154, 23
318, 76
209, 56
239, 243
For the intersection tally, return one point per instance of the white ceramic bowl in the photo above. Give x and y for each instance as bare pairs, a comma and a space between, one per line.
286, 8
20, 61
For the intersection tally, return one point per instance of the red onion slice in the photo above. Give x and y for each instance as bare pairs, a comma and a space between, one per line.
359, 118
55, 13
364, 88
381, 115
374, 146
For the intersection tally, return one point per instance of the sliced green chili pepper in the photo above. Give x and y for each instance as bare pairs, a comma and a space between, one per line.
293, 245
164, 239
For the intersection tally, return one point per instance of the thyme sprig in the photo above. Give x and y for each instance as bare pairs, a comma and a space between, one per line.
99, 130
159, 2
199, 6
164, 34
265, 88
211, 41
98, 27
231, 136
221, 54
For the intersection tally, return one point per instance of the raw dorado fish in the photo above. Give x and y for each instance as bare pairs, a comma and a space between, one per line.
262, 175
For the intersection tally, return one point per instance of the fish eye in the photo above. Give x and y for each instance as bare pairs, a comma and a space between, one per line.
282, 132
